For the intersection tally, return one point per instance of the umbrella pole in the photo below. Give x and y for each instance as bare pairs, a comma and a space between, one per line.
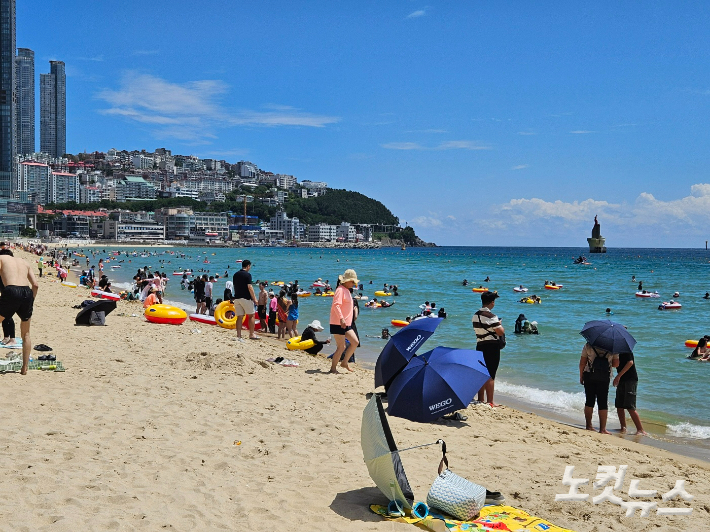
437, 442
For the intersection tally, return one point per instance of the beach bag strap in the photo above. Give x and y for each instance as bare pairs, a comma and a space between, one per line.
596, 353
499, 339
455, 495
444, 460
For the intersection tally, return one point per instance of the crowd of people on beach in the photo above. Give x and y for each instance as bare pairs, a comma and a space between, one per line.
275, 310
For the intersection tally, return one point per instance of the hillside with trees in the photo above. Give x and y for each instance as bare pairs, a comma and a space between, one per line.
337, 206
334, 207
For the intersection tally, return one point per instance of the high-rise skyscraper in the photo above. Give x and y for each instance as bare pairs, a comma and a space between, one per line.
53, 110
25, 79
8, 146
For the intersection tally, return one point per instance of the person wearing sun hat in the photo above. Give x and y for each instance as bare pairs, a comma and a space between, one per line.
341, 320
309, 333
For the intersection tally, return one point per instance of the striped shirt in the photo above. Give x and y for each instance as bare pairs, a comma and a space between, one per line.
484, 323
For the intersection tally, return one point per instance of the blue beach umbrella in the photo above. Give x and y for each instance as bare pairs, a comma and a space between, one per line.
438, 382
608, 335
401, 347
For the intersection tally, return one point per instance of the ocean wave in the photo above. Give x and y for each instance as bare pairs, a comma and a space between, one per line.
688, 430
559, 401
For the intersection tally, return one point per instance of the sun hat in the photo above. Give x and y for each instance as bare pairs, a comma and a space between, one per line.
349, 275
315, 325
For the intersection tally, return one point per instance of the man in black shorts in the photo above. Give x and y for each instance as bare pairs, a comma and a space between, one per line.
199, 293
18, 295
626, 382
488, 329
244, 300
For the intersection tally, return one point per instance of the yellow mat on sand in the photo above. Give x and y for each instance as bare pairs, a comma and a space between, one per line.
504, 518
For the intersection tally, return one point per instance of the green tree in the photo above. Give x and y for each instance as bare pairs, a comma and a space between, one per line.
28, 232
337, 206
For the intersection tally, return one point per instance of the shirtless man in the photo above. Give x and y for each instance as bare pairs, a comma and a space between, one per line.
18, 297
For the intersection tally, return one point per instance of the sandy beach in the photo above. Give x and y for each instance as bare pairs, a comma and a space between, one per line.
141, 432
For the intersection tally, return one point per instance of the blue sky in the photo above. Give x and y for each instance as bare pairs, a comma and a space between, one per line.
506, 123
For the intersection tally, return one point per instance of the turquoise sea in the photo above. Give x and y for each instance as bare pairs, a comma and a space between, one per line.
541, 371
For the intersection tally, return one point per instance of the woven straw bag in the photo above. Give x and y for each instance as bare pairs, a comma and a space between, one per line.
454, 495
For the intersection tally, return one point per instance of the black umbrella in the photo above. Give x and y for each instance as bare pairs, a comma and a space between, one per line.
104, 305
608, 335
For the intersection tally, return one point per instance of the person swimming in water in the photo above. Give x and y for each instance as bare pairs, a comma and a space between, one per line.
701, 350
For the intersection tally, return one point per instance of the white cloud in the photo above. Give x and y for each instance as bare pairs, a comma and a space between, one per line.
526, 133
520, 210
461, 145
581, 132
520, 167
192, 110
688, 212
427, 221
426, 131
235, 152
416, 14
446, 145
403, 146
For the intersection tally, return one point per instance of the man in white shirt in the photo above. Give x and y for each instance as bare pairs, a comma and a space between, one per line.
208, 294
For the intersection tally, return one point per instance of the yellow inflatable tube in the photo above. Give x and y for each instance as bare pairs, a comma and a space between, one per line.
220, 317
380, 293
296, 343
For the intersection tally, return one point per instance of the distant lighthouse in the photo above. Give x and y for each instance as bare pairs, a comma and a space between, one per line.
596, 242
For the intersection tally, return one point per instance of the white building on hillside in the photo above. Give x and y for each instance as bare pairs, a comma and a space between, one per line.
346, 232
322, 233
292, 228
31, 182
142, 162
285, 181
63, 187
314, 185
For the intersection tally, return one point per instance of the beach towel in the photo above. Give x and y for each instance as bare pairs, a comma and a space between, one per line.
491, 518
16, 365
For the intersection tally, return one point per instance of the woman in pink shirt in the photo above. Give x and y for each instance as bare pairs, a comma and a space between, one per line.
341, 320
